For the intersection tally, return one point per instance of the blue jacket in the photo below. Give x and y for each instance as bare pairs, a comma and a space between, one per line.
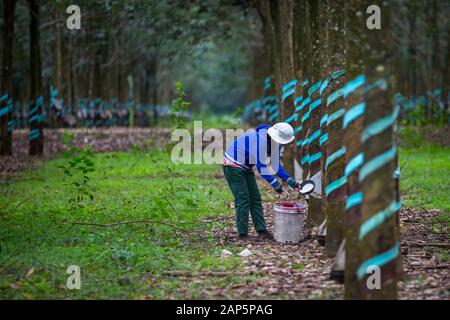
252, 149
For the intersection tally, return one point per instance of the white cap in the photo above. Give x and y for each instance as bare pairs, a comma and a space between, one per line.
281, 133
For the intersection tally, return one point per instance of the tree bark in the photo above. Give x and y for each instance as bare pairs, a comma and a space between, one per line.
35, 117
6, 86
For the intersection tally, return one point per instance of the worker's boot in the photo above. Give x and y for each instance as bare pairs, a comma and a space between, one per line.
243, 237
265, 235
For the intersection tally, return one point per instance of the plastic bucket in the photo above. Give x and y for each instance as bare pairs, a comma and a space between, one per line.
289, 219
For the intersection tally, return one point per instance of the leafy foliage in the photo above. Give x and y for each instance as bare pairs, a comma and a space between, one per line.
80, 164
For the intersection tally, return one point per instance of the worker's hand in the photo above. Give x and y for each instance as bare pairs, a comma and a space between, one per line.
293, 184
281, 192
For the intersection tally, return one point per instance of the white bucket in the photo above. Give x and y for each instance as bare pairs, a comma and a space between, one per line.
289, 219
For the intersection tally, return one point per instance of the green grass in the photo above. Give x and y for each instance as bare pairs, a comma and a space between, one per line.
425, 168
125, 261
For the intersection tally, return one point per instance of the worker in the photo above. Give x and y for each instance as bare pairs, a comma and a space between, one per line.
256, 147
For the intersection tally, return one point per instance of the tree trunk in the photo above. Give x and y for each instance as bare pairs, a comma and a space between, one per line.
37, 100
6, 86
315, 214
380, 245
353, 102
332, 142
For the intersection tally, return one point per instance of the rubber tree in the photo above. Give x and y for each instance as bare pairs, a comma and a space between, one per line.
6, 85
36, 136
314, 114
378, 231
285, 25
332, 136
352, 124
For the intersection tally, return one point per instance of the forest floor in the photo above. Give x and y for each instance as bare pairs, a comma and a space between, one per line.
155, 230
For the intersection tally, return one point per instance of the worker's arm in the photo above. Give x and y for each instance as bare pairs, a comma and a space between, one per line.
284, 175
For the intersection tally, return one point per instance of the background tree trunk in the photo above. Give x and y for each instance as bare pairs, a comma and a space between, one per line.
6, 86
36, 97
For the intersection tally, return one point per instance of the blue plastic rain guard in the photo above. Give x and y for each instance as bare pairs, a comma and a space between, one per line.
354, 200
334, 156
305, 159
378, 218
34, 134
380, 83
315, 104
314, 88
336, 115
354, 164
291, 118
289, 85
287, 94
305, 83
354, 113
314, 136
335, 185
379, 260
315, 157
324, 120
337, 74
324, 86
334, 96
304, 103
298, 129
380, 125
323, 139
298, 100
377, 162
306, 116
299, 143
353, 85
273, 116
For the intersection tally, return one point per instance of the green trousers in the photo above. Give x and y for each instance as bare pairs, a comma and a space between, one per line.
247, 198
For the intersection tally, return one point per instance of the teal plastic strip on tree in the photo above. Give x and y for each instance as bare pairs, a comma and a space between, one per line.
380, 125
333, 186
298, 129
34, 134
315, 104
324, 120
314, 88
378, 218
337, 74
305, 83
354, 200
379, 260
3, 97
334, 156
305, 159
381, 84
354, 164
299, 143
298, 100
287, 94
334, 96
354, 113
306, 116
354, 85
377, 162
336, 115
304, 103
314, 136
291, 118
273, 116
315, 157
323, 139
289, 85
324, 86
